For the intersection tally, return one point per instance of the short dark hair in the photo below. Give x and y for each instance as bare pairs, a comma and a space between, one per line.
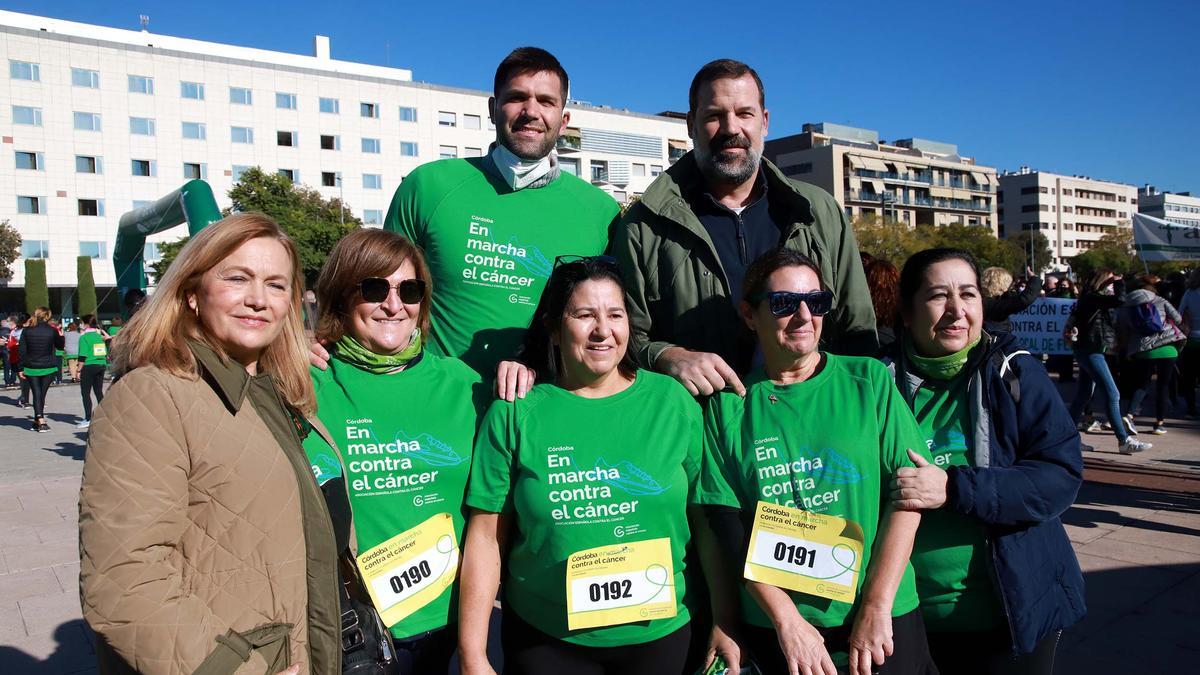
537, 351
914, 270
768, 263
723, 69
526, 60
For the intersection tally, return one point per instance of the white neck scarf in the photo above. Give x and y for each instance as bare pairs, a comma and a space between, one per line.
524, 173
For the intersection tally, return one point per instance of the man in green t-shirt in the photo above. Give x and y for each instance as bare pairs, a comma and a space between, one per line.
492, 226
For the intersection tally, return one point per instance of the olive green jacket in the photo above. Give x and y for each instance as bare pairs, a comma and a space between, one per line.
679, 294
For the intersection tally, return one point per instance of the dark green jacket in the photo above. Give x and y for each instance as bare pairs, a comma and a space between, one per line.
679, 294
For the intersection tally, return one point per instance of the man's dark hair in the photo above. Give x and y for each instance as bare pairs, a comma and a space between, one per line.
724, 69
527, 60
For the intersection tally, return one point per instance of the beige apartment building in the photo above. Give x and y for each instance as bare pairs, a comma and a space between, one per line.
1073, 212
915, 181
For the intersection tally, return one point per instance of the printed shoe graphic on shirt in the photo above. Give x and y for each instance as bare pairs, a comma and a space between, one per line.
836, 469
632, 479
534, 261
432, 451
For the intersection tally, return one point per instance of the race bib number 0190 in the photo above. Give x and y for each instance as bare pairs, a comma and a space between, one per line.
803, 551
621, 583
410, 570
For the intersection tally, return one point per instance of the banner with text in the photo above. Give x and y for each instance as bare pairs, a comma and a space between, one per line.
1156, 240
1039, 328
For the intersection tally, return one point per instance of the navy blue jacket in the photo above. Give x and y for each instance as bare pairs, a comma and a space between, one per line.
1025, 472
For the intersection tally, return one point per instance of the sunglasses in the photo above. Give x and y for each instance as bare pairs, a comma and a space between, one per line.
786, 303
375, 289
585, 260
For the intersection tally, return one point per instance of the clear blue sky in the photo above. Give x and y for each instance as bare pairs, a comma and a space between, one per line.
1105, 88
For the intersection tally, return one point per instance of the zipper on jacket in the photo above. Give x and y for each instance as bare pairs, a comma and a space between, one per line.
741, 237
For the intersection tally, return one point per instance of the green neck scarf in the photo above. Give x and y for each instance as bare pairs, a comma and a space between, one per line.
351, 351
940, 367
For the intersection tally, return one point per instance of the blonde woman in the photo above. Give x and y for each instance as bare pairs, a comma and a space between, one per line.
206, 545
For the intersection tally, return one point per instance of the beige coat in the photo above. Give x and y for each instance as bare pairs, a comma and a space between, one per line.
195, 522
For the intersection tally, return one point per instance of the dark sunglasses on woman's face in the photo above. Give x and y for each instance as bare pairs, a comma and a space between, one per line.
375, 289
564, 260
786, 303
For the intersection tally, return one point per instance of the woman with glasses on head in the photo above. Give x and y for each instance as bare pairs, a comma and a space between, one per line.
404, 421
579, 495
795, 483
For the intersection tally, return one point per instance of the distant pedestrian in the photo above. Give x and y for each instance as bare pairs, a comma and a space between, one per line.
1148, 330
93, 352
6, 328
39, 340
883, 280
14, 357
71, 350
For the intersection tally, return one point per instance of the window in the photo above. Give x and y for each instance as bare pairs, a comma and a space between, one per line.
30, 161
447, 151
285, 138
370, 145
150, 252
372, 217
285, 101
599, 171
369, 110
447, 119
408, 114
139, 84
141, 126
330, 105
81, 77
237, 171
96, 250
569, 165
34, 248
26, 115
408, 149
472, 152
24, 70
331, 142
655, 169
195, 131
144, 167
192, 90
91, 207
195, 171
241, 96
241, 134
88, 164
31, 205
329, 179
639, 170
471, 122
372, 181
290, 174
86, 121
620, 195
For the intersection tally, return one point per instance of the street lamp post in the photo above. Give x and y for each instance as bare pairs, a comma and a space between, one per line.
341, 200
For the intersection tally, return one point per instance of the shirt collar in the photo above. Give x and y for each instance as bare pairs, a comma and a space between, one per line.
707, 200
227, 377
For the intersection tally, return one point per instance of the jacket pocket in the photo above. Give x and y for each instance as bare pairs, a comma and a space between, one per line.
271, 642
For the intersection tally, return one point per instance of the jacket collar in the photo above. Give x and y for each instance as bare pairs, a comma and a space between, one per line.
229, 379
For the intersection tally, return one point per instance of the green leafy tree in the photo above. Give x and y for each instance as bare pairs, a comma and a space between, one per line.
168, 250
37, 293
86, 286
10, 248
1040, 248
885, 238
1114, 251
980, 241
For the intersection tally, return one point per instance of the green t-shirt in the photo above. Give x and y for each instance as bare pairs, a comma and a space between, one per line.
113, 330
828, 445
39, 372
93, 349
406, 441
950, 553
580, 473
490, 250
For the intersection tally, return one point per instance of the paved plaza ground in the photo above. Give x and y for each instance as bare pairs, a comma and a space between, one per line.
1135, 526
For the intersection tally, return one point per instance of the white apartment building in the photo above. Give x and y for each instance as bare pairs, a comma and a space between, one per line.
95, 121
1175, 207
913, 181
1073, 212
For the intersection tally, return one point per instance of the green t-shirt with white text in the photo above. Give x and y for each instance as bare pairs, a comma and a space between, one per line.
405, 440
578, 473
490, 250
829, 445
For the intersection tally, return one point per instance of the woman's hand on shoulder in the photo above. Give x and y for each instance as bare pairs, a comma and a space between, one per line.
919, 487
514, 380
318, 356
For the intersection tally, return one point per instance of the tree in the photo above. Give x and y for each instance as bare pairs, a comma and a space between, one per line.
315, 223
885, 238
37, 293
167, 250
980, 241
10, 249
1040, 246
86, 286
1113, 252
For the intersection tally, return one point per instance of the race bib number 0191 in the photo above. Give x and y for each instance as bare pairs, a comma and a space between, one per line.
410, 570
803, 551
621, 583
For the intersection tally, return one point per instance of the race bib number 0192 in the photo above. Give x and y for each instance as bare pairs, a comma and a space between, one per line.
410, 570
621, 583
803, 551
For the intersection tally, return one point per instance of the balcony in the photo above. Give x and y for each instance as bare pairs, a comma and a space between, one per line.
919, 202
570, 141
676, 150
925, 178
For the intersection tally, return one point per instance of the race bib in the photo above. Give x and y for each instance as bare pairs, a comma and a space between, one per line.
620, 583
99, 349
803, 551
410, 570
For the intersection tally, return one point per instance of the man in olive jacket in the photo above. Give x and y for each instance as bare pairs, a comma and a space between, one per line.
684, 247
